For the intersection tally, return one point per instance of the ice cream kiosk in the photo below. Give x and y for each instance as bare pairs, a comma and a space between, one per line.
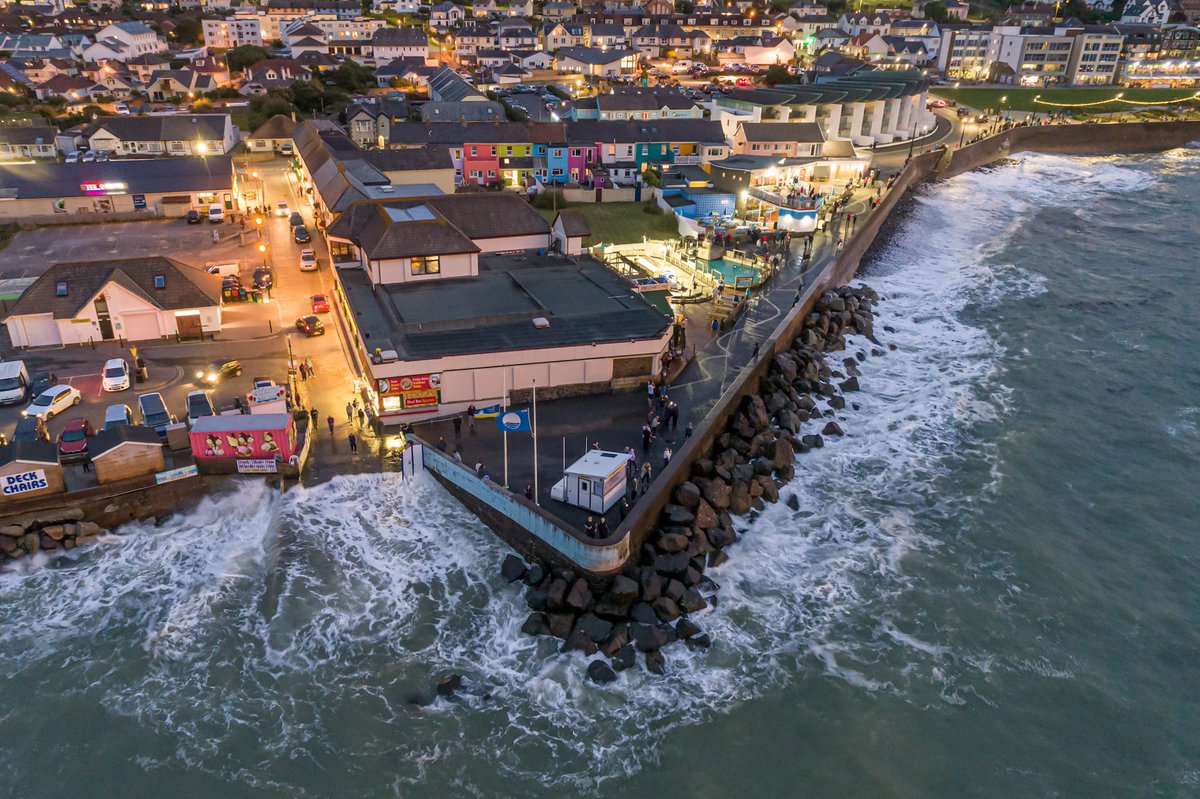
243, 443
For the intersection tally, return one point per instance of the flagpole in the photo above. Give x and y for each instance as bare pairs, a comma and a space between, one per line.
503, 409
536, 498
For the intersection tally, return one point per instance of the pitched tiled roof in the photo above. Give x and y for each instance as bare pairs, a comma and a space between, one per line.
574, 223
782, 131
184, 287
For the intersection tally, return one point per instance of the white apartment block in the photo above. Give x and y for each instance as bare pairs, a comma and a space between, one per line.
240, 30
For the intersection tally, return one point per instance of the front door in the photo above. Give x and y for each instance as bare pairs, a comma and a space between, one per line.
106, 328
189, 326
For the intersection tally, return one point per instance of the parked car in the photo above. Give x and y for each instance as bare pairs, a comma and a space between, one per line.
41, 382
155, 414
262, 278
216, 214
52, 402
102, 155
301, 235
31, 429
286, 150
320, 304
117, 415
308, 261
115, 375
72, 441
310, 326
121, 109
73, 158
88, 157
281, 208
219, 371
936, 103
295, 219
14, 383
199, 403
193, 217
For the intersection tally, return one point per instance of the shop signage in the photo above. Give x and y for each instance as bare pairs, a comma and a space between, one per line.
257, 466
414, 391
111, 187
266, 394
172, 475
139, 202
24, 482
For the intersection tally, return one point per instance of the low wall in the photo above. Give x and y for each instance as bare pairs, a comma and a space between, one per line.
117, 503
606, 195
1093, 139
527, 528
54, 220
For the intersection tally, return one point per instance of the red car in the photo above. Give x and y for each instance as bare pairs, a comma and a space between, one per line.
72, 441
320, 304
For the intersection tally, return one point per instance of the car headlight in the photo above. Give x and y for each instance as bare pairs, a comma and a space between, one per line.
25, 414
199, 375
212, 378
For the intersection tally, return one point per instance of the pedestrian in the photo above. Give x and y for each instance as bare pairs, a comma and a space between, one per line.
666, 456
329, 421
303, 373
349, 413
353, 439
634, 491
674, 417
478, 468
312, 370
458, 456
650, 393
654, 423
646, 474
313, 416
646, 436
457, 425
441, 443
362, 417
754, 354
796, 299
87, 464
687, 431
529, 492
602, 527
589, 527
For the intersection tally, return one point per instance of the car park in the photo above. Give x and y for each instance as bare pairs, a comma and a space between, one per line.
41, 382
115, 376
308, 261
52, 402
199, 404
320, 304
14, 383
31, 429
72, 441
263, 278
193, 217
301, 235
310, 326
117, 415
155, 414
219, 371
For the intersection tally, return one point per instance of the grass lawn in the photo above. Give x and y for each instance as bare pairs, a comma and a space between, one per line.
620, 223
1022, 99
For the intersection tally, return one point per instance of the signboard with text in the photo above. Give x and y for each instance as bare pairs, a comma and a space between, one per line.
23, 483
257, 466
172, 475
414, 391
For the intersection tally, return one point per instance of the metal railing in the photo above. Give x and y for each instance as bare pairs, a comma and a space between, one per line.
801, 203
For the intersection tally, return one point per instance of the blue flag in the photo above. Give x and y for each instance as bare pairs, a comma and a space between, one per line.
513, 422
490, 412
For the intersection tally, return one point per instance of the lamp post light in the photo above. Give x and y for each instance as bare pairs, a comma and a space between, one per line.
262, 249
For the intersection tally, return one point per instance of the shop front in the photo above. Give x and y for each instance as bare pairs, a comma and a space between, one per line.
408, 395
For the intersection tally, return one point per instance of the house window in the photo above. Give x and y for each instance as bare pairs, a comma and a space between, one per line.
491, 173
425, 265
60, 288
160, 281
342, 251
575, 153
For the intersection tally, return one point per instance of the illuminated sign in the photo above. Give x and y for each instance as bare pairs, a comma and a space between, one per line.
414, 392
110, 187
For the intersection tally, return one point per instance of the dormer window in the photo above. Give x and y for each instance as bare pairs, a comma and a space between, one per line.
160, 281
60, 288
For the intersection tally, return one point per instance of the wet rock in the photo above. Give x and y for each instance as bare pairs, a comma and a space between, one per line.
685, 628
535, 598
706, 517
578, 641
608, 608
450, 685
687, 494
618, 638
12, 531
624, 658
692, 602
813, 441
677, 514
31, 543
756, 412
837, 403
691, 577
702, 467
717, 558
46, 542
784, 454
655, 662
671, 564
593, 627
739, 499
536, 624
674, 590
666, 609
651, 584
623, 589
556, 594
648, 637
512, 569
643, 613
580, 596
832, 429
535, 575
715, 491
850, 385
672, 542
792, 501
600, 672
560, 624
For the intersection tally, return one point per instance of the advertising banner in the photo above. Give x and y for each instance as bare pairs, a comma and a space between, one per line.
172, 475
415, 391
256, 466
26, 481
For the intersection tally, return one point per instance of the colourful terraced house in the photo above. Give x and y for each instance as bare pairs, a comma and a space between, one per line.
626, 148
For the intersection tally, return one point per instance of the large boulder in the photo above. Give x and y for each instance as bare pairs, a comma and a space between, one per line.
624, 658
579, 598
536, 624
651, 584
706, 517
600, 672
512, 569
715, 491
832, 429
812, 441
672, 542
623, 589
675, 588
666, 609
702, 467
578, 641
560, 624
556, 594
692, 602
618, 638
784, 454
648, 637
448, 686
739, 499
655, 662
685, 628
677, 514
674, 563
850, 385
643, 613
785, 364
756, 412
687, 494
594, 627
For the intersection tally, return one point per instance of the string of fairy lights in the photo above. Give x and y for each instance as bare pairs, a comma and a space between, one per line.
1119, 98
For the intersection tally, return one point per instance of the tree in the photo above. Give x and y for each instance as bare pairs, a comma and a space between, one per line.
776, 74
188, 30
936, 11
353, 78
308, 96
263, 108
241, 57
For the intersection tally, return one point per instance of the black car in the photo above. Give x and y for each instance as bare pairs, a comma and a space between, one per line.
310, 326
295, 219
301, 235
218, 371
262, 278
41, 382
31, 428
193, 217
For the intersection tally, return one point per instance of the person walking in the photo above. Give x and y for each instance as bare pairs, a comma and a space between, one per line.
666, 456
313, 416
457, 425
349, 413
303, 373
529, 492
647, 472
646, 436
362, 417
312, 370
654, 423
754, 354
589, 527
624, 508
353, 439
329, 421
687, 431
441, 443
649, 393
602, 527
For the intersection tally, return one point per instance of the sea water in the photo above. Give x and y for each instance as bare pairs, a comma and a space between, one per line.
989, 587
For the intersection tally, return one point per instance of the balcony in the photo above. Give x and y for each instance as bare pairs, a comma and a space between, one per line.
688, 160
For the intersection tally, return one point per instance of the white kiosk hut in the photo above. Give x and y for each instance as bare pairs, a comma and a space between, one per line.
595, 482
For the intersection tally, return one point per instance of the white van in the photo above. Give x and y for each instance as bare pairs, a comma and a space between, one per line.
14, 383
216, 214
223, 268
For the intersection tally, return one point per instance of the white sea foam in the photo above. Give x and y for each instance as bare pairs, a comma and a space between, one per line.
269, 636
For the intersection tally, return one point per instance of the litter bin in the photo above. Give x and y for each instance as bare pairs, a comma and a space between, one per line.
143, 372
